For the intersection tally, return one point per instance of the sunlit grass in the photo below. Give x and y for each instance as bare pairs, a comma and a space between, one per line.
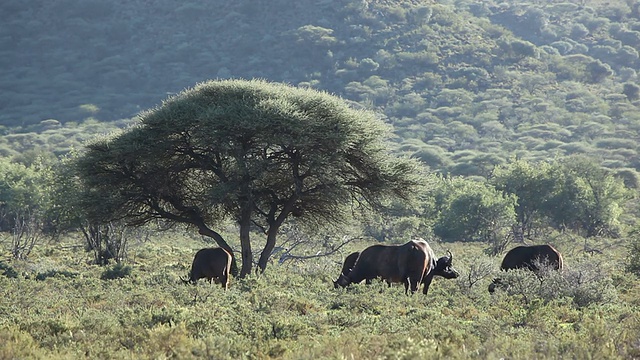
292, 311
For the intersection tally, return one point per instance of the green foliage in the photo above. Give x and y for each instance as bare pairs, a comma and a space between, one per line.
117, 271
575, 193
533, 186
632, 264
53, 273
22, 191
590, 198
472, 211
8, 270
314, 36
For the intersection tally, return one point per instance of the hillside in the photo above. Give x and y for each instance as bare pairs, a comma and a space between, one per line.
466, 85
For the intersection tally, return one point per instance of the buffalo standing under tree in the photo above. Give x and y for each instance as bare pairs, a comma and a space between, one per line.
529, 257
211, 264
412, 263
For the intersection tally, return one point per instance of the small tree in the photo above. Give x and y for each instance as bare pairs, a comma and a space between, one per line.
25, 235
473, 211
589, 198
633, 256
106, 240
23, 202
533, 185
631, 91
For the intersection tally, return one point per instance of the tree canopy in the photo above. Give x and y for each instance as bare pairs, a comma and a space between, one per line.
253, 151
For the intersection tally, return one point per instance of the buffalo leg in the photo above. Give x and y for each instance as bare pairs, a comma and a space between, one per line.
427, 283
405, 281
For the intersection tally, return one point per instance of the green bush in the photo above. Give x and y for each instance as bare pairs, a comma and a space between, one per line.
54, 273
7, 270
118, 271
584, 283
633, 253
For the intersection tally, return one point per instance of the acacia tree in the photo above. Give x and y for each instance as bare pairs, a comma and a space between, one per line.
255, 151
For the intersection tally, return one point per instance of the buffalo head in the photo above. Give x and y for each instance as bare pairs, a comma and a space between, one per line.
341, 281
444, 267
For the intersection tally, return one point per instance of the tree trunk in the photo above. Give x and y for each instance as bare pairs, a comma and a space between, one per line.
272, 233
268, 248
245, 241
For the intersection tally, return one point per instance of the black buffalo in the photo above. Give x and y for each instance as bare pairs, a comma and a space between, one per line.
411, 264
529, 257
211, 264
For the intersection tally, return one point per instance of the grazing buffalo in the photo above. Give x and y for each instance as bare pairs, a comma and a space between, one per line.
412, 263
529, 257
212, 264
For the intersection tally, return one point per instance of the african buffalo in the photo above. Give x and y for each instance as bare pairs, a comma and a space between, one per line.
212, 264
529, 257
412, 263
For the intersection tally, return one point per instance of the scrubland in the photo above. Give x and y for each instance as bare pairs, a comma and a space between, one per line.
57, 305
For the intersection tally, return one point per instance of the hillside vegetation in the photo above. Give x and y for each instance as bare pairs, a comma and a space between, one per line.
467, 85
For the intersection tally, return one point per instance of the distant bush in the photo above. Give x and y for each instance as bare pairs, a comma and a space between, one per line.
54, 273
633, 253
631, 38
563, 47
598, 71
627, 55
594, 23
578, 31
550, 50
433, 156
630, 176
631, 91
524, 49
7, 270
118, 271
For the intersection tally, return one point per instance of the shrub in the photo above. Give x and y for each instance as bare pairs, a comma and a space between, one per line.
53, 273
578, 31
584, 283
118, 271
7, 270
633, 257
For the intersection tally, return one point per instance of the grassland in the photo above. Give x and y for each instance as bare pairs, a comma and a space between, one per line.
56, 305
